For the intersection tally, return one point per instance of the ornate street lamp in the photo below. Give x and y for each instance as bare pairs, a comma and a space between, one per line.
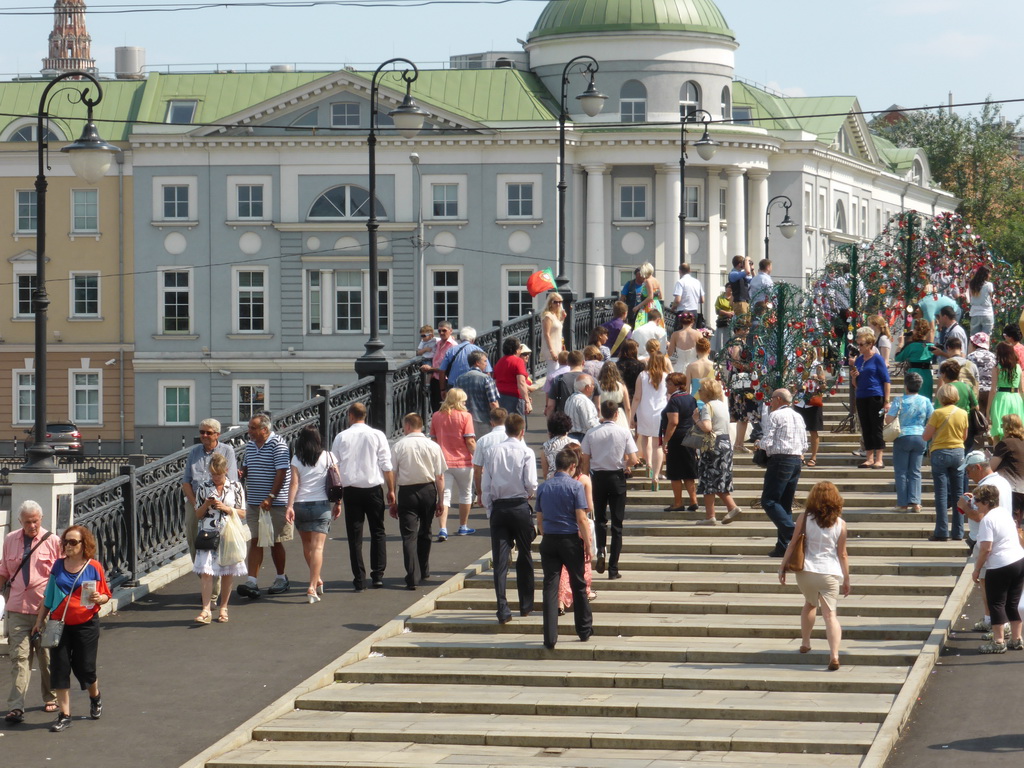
787, 227
90, 158
408, 118
592, 102
706, 148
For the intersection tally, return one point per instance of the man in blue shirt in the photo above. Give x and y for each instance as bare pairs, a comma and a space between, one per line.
631, 292
739, 281
563, 523
456, 360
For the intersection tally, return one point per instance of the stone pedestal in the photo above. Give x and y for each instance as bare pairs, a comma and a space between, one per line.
54, 492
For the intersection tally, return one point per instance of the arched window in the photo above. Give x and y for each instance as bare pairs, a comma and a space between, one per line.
344, 202
917, 174
633, 102
843, 142
726, 103
840, 216
689, 99
30, 133
308, 119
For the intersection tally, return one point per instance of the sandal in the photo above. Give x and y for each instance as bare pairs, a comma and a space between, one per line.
203, 617
805, 649
865, 466
811, 463
15, 716
222, 616
50, 706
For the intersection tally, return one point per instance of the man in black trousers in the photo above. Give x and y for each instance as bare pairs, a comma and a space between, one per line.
563, 523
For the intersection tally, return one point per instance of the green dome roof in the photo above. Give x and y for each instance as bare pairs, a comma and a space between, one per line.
562, 17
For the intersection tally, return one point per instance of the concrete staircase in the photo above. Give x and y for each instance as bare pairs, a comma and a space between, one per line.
694, 657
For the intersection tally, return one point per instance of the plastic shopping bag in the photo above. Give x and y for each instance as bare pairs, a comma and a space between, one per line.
233, 546
265, 538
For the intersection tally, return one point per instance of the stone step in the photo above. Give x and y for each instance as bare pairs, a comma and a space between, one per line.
570, 673
917, 526
767, 582
857, 547
750, 480
572, 732
519, 700
856, 517
678, 625
711, 602
745, 650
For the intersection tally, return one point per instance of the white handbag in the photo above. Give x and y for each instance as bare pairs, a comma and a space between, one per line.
893, 430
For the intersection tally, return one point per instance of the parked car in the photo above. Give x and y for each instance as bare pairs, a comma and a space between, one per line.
64, 438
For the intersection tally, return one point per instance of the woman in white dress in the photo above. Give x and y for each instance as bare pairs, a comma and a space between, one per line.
551, 328
682, 344
702, 368
614, 388
649, 400
215, 500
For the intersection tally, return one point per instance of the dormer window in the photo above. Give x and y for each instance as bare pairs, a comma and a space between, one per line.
181, 111
917, 173
31, 133
843, 142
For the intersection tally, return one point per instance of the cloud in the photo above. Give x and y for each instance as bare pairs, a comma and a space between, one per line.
794, 90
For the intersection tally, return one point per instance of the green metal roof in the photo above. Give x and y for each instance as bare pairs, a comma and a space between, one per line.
567, 17
899, 159
787, 113
114, 114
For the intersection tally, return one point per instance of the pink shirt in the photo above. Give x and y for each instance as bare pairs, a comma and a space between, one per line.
450, 429
24, 599
439, 352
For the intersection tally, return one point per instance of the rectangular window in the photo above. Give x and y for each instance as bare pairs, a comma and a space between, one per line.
27, 210
251, 399
176, 201
822, 219
86, 397
176, 301
517, 299
251, 300
176, 402
25, 397
85, 288
26, 288
520, 200
383, 300
722, 207
314, 300
85, 210
743, 115
691, 202
348, 300
633, 110
864, 218
446, 296
250, 201
345, 115
808, 196
446, 200
633, 201
181, 111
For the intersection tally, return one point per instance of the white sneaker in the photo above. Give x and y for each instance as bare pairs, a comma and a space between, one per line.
731, 515
707, 521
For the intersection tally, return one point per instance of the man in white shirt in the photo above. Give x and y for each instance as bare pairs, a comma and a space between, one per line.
653, 329
609, 452
364, 461
497, 435
761, 285
688, 295
580, 407
785, 441
510, 480
419, 468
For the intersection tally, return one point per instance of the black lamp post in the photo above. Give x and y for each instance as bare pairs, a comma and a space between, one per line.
706, 148
787, 227
408, 118
90, 157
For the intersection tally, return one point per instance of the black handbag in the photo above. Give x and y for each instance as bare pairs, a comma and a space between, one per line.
332, 481
207, 540
760, 457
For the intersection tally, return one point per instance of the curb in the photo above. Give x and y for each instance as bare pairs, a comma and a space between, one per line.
892, 727
242, 734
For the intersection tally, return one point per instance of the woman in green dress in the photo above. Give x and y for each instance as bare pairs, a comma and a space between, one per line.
917, 354
1007, 390
650, 295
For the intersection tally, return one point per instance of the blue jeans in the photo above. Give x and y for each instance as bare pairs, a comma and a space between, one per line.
948, 481
907, 455
780, 481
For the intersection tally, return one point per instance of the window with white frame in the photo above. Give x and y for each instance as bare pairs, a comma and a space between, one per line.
346, 201
250, 201
85, 294
840, 216
30, 133
917, 173
250, 399
345, 115
348, 301
383, 299
822, 207
85, 210
446, 296
176, 398
843, 142
24, 294
633, 201
689, 99
24, 396
250, 286
445, 199
743, 115
691, 202
633, 102
808, 207
726, 103
723, 204
314, 301
27, 211
518, 300
181, 111
175, 197
86, 399
520, 200
863, 218
519, 196
175, 301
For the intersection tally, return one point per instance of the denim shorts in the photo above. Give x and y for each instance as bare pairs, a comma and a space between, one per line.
313, 516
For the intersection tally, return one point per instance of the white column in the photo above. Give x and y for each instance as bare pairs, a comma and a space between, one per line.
734, 213
597, 227
758, 197
668, 249
715, 258
575, 227
55, 493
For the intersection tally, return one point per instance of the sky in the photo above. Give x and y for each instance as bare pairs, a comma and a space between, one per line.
908, 52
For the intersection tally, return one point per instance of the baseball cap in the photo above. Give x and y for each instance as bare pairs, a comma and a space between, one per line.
974, 457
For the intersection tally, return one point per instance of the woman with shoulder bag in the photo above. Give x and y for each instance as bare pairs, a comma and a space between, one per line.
308, 505
217, 499
913, 411
714, 467
76, 590
946, 431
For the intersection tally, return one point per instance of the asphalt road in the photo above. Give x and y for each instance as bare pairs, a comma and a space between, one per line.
172, 688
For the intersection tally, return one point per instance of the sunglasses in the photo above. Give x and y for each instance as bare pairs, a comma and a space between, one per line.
556, 302
207, 432
72, 542
424, 335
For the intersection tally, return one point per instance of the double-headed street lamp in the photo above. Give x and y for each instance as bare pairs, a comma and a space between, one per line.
408, 118
706, 148
787, 227
90, 158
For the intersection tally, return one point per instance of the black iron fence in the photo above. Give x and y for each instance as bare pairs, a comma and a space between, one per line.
139, 516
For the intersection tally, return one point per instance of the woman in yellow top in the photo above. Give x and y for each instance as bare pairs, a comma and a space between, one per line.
947, 430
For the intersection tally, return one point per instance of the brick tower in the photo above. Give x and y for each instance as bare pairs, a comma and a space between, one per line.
69, 41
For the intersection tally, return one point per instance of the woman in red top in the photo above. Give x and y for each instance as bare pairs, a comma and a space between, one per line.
76, 590
452, 428
512, 379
